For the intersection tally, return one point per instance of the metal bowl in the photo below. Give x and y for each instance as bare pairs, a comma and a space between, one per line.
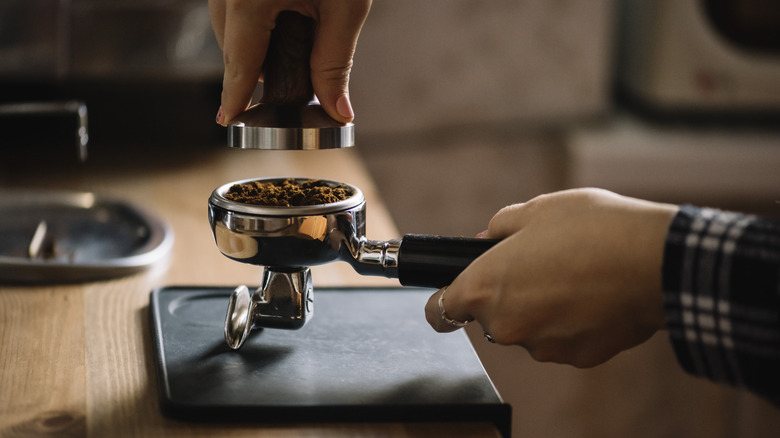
66, 237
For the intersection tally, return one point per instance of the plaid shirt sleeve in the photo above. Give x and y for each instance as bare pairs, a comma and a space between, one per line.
721, 280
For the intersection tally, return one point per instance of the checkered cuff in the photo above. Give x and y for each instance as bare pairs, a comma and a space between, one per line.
721, 280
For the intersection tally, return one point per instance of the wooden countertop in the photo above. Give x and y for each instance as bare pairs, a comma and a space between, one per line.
76, 360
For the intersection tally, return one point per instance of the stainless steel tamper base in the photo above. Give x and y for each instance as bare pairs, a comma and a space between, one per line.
284, 300
289, 127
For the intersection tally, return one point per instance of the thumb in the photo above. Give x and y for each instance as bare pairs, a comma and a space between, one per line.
331, 61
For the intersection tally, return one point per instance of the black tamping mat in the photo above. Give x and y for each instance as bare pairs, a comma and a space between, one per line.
367, 355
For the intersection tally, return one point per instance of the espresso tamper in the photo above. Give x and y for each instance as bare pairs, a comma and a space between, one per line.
289, 117
286, 241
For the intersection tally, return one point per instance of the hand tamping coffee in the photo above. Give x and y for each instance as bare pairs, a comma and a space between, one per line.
289, 117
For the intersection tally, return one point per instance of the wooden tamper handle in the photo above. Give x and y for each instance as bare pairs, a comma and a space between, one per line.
286, 69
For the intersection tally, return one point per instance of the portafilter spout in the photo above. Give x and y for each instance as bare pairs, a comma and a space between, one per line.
283, 300
289, 240
288, 116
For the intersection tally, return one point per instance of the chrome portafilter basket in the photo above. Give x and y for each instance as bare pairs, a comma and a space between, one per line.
286, 241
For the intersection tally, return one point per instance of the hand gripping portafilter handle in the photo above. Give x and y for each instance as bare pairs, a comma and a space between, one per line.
286, 69
435, 261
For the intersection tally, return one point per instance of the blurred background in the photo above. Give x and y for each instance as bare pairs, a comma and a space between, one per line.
462, 107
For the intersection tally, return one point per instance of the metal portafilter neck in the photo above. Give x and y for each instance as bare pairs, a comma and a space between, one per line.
286, 241
288, 116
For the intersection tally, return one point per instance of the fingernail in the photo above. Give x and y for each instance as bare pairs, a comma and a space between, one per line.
220, 117
482, 234
344, 107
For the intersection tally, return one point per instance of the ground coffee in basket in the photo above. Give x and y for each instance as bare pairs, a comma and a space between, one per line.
287, 193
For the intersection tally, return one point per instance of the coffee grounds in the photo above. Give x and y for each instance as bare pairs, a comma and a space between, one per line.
287, 193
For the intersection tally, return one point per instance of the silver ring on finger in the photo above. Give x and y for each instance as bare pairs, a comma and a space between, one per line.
444, 316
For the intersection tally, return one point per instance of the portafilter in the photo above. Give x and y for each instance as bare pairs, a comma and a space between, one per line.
287, 240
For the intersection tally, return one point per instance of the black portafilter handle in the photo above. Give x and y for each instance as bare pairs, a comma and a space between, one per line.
435, 261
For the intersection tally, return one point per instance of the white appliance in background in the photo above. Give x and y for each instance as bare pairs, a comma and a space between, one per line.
716, 60
700, 55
